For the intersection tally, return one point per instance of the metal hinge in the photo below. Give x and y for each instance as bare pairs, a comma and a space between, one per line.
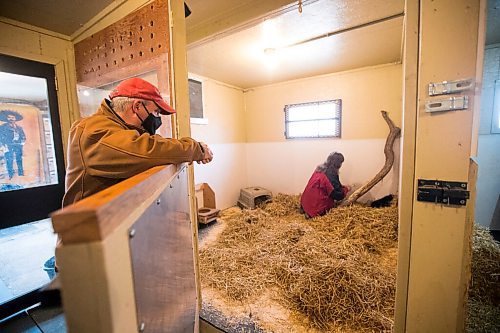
57, 83
442, 192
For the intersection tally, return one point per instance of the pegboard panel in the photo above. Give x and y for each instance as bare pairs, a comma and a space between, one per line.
141, 36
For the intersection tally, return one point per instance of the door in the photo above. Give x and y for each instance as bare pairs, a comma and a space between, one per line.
31, 153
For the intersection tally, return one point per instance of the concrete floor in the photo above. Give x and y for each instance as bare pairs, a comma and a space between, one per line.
36, 320
23, 251
212, 320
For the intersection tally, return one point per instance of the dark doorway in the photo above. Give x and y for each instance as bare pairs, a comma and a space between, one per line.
31, 151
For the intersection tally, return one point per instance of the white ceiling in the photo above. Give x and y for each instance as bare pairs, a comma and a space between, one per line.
298, 44
229, 36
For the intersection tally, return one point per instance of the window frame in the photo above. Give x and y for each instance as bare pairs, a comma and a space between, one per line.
337, 102
495, 119
197, 120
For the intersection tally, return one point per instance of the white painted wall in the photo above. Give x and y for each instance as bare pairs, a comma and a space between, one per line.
488, 154
245, 132
285, 167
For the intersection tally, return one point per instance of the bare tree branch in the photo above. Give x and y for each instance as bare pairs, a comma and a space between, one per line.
394, 132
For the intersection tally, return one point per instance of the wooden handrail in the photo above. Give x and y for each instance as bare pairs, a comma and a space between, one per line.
95, 217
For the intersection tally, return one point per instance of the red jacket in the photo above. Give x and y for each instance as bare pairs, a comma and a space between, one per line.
315, 199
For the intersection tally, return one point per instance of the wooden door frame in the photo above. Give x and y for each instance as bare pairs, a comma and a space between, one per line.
409, 318
180, 99
407, 158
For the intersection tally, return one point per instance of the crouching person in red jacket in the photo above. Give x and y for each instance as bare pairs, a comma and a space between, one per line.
324, 188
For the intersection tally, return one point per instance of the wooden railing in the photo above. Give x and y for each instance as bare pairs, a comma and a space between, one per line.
126, 261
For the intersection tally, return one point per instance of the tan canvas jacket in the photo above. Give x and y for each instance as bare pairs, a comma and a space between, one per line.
103, 150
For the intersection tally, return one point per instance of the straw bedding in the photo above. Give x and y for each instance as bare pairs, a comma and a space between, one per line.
337, 271
334, 273
484, 290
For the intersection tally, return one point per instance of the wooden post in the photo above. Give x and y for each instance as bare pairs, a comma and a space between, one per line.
101, 268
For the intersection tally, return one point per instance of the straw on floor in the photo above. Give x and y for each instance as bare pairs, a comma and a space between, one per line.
339, 270
483, 312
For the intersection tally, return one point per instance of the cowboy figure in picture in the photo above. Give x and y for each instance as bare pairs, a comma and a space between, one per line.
12, 137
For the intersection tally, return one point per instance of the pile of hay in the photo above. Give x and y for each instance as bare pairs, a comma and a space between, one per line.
339, 270
483, 313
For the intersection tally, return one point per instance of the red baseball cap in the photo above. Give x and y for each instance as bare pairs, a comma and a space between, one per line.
139, 88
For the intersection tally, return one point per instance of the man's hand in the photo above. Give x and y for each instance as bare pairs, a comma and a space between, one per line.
207, 156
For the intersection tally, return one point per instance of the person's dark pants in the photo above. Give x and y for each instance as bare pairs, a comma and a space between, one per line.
15, 151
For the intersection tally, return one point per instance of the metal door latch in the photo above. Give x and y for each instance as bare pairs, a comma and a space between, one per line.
447, 104
450, 87
442, 192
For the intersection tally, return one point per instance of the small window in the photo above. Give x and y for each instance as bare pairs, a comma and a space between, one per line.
313, 120
195, 99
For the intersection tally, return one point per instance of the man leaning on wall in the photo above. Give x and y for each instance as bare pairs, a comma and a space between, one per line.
118, 141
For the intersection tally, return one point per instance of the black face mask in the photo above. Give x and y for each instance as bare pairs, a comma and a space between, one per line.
151, 123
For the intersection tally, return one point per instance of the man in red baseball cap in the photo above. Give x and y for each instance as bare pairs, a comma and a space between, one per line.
119, 141
139, 88
145, 95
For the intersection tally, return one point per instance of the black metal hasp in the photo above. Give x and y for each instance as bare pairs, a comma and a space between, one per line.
442, 192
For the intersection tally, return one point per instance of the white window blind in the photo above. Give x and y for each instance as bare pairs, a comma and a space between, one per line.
313, 120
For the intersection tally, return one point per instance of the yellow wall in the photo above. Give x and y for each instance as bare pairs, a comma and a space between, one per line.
224, 132
223, 107
28, 42
364, 92
285, 166
245, 131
